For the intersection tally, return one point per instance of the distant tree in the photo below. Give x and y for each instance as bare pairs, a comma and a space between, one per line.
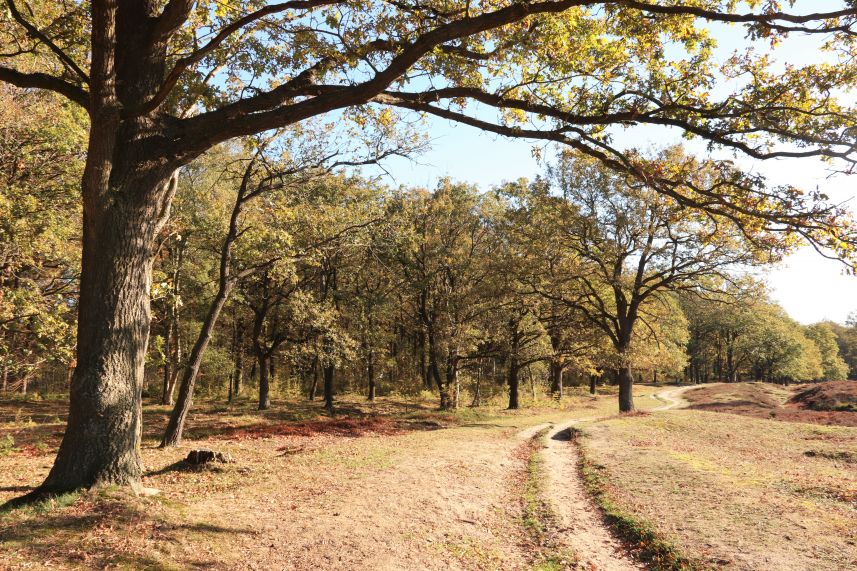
833, 365
444, 252
779, 348
846, 338
634, 246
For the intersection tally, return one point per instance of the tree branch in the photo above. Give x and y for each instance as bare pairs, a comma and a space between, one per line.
45, 81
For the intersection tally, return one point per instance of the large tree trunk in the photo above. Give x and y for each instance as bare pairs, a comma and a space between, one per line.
101, 444
556, 378
514, 383
626, 389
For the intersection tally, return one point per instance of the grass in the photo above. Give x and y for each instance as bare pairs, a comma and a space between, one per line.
728, 491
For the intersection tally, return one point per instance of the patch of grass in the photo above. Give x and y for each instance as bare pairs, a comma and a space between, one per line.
7, 445
556, 562
52, 503
538, 515
374, 458
472, 551
640, 535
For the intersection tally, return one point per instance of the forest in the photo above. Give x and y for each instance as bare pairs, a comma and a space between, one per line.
281, 275
228, 321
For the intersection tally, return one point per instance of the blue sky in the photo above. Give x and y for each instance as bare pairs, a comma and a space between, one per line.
810, 287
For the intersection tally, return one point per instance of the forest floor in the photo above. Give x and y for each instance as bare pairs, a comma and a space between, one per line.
399, 485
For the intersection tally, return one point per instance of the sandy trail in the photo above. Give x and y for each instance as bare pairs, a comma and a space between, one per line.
443, 499
582, 524
672, 398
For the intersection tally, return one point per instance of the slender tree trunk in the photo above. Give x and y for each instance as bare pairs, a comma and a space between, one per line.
5, 377
434, 368
238, 360
168, 361
101, 444
177, 359
532, 382
175, 426
370, 371
593, 384
448, 400
424, 373
329, 371
173, 334
264, 384
314, 387
477, 389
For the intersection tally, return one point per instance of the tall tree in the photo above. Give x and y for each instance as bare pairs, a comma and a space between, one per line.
634, 245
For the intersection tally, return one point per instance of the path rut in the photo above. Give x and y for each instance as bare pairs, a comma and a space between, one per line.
583, 528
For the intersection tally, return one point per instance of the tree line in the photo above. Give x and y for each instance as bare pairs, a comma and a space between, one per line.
278, 274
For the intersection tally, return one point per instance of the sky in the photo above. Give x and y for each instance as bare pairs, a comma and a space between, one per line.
810, 287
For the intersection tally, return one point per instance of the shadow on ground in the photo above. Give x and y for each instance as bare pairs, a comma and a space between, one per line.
99, 531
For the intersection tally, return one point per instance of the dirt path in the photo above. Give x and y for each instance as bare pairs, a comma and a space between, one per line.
672, 398
445, 499
583, 528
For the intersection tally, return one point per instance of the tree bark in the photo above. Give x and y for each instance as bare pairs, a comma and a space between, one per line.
370, 371
514, 383
101, 444
556, 378
264, 384
593, 387
626, 389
